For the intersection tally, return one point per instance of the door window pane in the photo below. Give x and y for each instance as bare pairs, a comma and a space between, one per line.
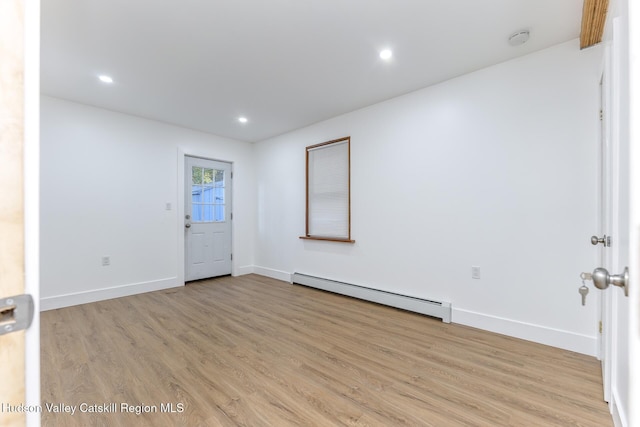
196, 175
196, 194
219, 181
219, 196
207, 195
207, 176
196, 212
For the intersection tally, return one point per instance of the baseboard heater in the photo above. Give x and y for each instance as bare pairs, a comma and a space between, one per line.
441, 310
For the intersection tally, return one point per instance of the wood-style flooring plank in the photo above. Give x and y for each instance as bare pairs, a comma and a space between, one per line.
253, 351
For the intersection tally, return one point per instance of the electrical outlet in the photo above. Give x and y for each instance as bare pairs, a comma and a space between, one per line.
106, 261
475, 272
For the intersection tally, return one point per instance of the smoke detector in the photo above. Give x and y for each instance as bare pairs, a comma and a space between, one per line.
519, 37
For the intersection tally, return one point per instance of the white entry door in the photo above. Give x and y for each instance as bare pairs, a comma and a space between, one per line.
207, 218
616, 193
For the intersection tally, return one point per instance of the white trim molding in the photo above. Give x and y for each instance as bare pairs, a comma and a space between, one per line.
244, 269
617, 412
527, 331
274, 274
77, 298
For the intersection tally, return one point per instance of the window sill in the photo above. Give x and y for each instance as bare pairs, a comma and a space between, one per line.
328, 239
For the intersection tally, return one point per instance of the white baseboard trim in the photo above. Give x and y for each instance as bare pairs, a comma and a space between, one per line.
68, 300
245, 269
274, 274
617, 413
541, 334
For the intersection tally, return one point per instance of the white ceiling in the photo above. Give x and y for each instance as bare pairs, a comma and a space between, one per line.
284, 64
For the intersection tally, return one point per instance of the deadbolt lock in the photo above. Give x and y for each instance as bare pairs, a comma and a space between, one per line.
605, 240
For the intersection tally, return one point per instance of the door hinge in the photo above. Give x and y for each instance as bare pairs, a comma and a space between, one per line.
600, 326
601, 115
16, 313
231, 216
232, 172
231, 257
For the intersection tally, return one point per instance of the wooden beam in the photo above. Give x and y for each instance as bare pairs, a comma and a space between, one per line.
594, 14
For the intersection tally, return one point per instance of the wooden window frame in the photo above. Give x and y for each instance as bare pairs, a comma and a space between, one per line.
307, 235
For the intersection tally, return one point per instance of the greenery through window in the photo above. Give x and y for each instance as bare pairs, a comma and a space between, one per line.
207, 195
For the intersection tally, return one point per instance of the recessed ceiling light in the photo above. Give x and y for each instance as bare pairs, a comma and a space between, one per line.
243, 119
386, 54
105, 79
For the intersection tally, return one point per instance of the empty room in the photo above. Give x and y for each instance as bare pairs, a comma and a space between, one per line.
319, 213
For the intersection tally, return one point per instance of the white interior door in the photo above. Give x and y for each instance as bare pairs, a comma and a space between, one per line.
207, 218
617, 195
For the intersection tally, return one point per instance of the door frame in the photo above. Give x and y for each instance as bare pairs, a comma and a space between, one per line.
611, 121
634, 184
606, 221
182, 154
32, 203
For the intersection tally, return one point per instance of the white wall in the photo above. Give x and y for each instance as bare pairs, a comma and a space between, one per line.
105, 180
496, 169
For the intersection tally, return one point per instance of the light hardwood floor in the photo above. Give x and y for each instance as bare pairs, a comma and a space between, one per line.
252, 351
